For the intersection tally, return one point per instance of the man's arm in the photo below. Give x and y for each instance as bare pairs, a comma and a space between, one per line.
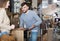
21, 24
38, 21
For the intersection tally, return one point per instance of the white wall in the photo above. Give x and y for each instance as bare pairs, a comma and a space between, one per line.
34, 4
54, 1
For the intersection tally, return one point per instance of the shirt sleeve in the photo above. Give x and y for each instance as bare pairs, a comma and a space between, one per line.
37, 18
21, 22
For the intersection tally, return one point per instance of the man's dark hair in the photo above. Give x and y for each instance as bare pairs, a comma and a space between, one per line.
25, 3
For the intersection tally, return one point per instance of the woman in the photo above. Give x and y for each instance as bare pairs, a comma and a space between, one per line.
4, 20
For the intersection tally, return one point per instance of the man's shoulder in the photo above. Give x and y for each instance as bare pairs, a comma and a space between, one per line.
31, 10
22, 15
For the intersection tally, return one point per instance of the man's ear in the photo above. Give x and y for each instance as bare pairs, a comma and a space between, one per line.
28, 7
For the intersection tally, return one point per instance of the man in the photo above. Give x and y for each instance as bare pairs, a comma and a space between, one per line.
31, 20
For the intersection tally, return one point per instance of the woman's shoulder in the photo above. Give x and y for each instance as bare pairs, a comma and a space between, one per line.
2, 11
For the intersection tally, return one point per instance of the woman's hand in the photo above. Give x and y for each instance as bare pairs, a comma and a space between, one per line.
12, 26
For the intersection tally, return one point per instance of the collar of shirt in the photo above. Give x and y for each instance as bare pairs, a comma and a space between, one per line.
27, 12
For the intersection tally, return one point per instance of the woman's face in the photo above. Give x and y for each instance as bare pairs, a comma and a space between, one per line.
7, 4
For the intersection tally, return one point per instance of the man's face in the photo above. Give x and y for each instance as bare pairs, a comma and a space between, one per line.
25, 8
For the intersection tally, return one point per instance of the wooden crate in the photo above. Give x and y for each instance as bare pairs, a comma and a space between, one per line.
19, 34
50, 34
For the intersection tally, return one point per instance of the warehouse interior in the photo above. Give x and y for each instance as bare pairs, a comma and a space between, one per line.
47, 10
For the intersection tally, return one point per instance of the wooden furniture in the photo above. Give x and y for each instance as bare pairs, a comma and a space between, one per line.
19, 34
50, 34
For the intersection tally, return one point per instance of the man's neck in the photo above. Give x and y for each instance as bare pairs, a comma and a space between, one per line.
27, 12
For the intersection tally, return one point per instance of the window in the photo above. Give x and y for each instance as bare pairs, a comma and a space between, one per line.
44, 4
50, 1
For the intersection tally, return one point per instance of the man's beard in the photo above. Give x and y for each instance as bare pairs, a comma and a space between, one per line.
25, 11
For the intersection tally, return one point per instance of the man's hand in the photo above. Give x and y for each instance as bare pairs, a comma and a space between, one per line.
33, 26
22, 28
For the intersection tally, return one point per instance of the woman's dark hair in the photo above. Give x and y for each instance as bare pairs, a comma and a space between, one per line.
3, 3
